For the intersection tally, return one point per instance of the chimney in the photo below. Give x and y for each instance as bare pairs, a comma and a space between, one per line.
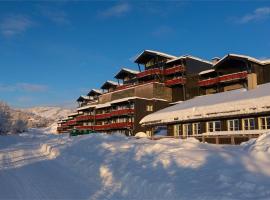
215, 60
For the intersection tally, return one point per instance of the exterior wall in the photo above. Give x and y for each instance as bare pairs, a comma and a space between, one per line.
150, 90
223, 120
141, 111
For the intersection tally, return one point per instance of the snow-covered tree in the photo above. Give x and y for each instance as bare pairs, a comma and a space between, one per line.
5, 118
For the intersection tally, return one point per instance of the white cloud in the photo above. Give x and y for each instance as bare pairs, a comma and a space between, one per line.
116, 11
258, 14
23, 87
14, 24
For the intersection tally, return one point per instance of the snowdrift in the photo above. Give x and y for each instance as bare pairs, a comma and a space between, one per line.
100, 166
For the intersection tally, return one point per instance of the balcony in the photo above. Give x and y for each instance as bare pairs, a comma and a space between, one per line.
224, 78
234, 76
149, 72
84, 118
208, 82
103, 116
174, 70
71, 123
84, 127
122, 112
175, 81
121, 125
101, 127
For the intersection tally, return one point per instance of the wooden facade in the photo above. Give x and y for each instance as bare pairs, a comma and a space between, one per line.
161, 80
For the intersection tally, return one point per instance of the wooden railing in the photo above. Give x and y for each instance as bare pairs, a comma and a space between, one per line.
174, 69
149, 72
84, 117
224, 78
122, 112
175, 81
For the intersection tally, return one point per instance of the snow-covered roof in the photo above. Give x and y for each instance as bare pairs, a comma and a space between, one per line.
191, 57
104, 105
73, 114
233, 102
125, 70
206, 71
97, 91
151, 52
255, 60
84, 97
109, 82
85, 107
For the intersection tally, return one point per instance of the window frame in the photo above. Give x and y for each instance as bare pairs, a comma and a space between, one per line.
214, 129
234, 128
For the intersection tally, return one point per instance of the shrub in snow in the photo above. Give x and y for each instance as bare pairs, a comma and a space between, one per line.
5, 118
19, 126
11, 121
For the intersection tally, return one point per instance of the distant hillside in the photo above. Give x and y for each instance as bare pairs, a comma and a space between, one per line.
53, 113
39, 117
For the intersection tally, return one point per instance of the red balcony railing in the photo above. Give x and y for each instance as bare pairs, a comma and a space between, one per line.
103, 116
122, 112
149, 72
174, 70
224, 78
234, 76
175, 81
70, 123
101, 127
121, 125
84, 117
206, 82
84, 127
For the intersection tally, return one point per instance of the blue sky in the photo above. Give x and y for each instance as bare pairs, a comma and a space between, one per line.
51, 52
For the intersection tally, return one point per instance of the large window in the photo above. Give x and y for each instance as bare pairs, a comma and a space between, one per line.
264, 122
187, 129
196, 128
249, 124
233, 125
214, 126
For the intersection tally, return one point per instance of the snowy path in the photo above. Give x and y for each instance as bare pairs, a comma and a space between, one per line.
105, 167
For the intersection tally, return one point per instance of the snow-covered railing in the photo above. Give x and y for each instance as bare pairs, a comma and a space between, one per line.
149, 72
174, 69
175, 81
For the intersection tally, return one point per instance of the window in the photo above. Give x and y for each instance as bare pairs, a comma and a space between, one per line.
187, 129
149, 133
149, 108
177, 130
213, 126
249, 124
264, 122
196, 128
233, 125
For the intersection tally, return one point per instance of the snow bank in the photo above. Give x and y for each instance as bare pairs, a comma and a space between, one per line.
141, 135
100, 166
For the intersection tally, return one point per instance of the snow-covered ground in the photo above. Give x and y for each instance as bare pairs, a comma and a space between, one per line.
43, 166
